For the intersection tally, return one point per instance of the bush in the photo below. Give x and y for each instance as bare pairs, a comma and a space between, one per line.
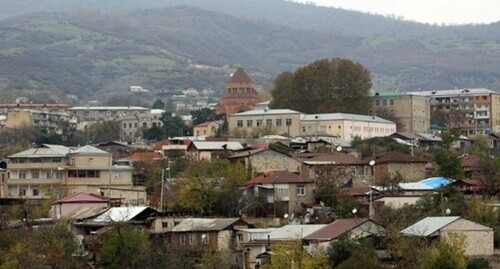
478, 263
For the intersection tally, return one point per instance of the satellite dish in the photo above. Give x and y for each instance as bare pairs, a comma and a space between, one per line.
372, 163
285, 216
448, 211
339, 148
354, 210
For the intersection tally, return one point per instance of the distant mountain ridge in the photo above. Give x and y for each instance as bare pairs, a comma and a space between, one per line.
95, 53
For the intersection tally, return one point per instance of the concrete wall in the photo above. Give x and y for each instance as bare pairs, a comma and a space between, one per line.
478, 238
295, 201
292, 130
411, 172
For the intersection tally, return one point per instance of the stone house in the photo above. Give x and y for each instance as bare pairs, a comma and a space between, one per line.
62, 207
267, 159
478, 238
390, 163
211, 150
283, 191
204, 234
355, 228
118, 149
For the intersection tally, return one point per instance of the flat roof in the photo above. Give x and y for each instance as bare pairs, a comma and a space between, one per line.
266, 112
344, 116
464, 91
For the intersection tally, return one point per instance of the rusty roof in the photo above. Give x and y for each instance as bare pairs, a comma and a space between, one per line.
333, 158
335, 229
396, 157
277, 177
240, 76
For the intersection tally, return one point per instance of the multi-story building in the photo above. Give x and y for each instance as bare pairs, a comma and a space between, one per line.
475, 111
240, 96
53, 121
132, 119
209, 128
6, 108
277, 121
54, 169
410, 112
346, 126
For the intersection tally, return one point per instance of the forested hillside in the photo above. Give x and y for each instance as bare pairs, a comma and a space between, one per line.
84, 49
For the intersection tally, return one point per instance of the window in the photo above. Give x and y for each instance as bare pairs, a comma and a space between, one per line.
124, 125
269, 122
259, 123
249, 123
384, 102
22, 192
391, 102
204, 239
288, 122
279, 122
22, 174
192, 239
36, 192
35, 175
301, 190
353, 171
182, 239
303, 129
239, 123
240, 237
377, 102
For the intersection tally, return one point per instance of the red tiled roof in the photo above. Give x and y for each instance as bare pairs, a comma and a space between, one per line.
240, 77
161, 144
335, 229
396, 157
277, 177
470, 161
337, 157
144, 155
82, 198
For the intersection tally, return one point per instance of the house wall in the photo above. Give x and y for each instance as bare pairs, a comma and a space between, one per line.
3, 183
411, 172
270, 160
225, 240
495, 112
61, 210
478, 238
295, 202
399, 201
347, 129
213, 244
292, 130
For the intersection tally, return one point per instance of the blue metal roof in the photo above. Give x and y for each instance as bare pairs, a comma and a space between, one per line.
436, 182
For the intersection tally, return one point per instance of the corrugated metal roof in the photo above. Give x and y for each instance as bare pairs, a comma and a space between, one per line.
88, 149
217, 145
291, 232
453, 92
85, 212
115, 214
336, 228
428, 226
46, 150
108, 108
266, 112
344, 116
202, 224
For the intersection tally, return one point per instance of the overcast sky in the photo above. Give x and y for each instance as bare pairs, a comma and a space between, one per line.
430, 11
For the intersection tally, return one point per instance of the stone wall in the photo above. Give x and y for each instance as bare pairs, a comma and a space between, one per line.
411, 172
478, 238
270, 160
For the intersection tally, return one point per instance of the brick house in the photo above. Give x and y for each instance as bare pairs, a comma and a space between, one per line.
478, 237
283, 189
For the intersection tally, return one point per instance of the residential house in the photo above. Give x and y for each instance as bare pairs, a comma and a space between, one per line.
389, 164
343, 168
117, 149
284, 191
217, 234
267, 159
256, 122
411, 112
469, 185
3, 183
240, 94
354, 228
346, 126
480, 108
62, 207
256, 249
37, 172
209, 128
471, 164
211, 150
478, 238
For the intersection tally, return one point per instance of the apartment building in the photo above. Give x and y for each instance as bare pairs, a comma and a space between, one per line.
477, 110
132, 119
39, 172
346, 126
277, 121
410, 112
50, 121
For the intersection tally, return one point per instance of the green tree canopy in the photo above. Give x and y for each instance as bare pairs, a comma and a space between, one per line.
158, 104
325, 86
